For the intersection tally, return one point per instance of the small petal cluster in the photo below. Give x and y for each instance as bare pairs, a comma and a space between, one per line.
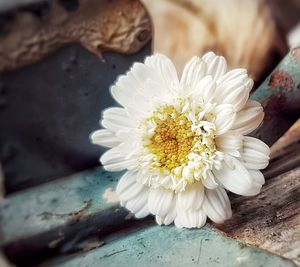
183, 142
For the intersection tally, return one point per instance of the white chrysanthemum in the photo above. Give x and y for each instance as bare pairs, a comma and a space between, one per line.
182, 142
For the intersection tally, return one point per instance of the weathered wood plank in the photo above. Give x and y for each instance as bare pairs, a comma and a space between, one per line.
169, 246
270, 220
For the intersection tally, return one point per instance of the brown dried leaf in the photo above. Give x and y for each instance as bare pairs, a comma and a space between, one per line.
119, 25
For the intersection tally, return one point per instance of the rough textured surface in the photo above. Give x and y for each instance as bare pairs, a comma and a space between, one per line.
29, 34
280, 97
60, 217
290, 137
171, 247
242, 31
270, 220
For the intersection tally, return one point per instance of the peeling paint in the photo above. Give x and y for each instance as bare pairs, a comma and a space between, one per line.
110, 196
74, 215
281, 79
296, 53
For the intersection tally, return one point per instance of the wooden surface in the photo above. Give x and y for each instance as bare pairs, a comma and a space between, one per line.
272, 219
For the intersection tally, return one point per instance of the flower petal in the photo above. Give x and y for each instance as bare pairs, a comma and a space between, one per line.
216, 65
160, 201
105, 138
236, 178
115, 160
191, 198
166, 69
230, 143
115, 119
190, 218
257, 176
170, 216
217, 205
255, 153
225, 117
237, 97
209, 181
138, 205
128, 187
235, 74
193, 72
249, 118
205, 89
143, 212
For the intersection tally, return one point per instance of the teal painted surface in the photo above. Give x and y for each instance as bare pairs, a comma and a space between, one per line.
285, 84
45, 207
169, 246
280, 96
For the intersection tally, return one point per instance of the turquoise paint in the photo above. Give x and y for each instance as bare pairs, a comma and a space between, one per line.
45, 207
169, 246
289, 64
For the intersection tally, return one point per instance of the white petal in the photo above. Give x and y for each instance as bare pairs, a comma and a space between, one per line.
190, 218
225, 117
160, 201
120, 96
205, 89
255, 153
235, 74
105, 138
257, 176
230, 143
237, 97
193, 72
236, 178
143, 212
128, 188
138, 204
127, 90
114, 160
209, 182
217, 205
166, 69
191, 198
254, 143
249, 118
216, 65
116, 119
170, 217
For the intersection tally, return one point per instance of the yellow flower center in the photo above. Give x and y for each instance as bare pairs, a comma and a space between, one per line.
173, 138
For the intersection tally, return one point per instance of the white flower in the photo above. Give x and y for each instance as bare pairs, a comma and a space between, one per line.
182, 142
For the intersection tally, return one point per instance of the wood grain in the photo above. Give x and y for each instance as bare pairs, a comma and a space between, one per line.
270, 220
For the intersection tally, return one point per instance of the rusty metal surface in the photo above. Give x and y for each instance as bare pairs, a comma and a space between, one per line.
280, 97
30, 33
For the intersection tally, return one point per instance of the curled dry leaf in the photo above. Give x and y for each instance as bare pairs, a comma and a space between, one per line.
242, 31
29, 34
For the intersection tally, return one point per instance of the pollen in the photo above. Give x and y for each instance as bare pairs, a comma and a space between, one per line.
173, 138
